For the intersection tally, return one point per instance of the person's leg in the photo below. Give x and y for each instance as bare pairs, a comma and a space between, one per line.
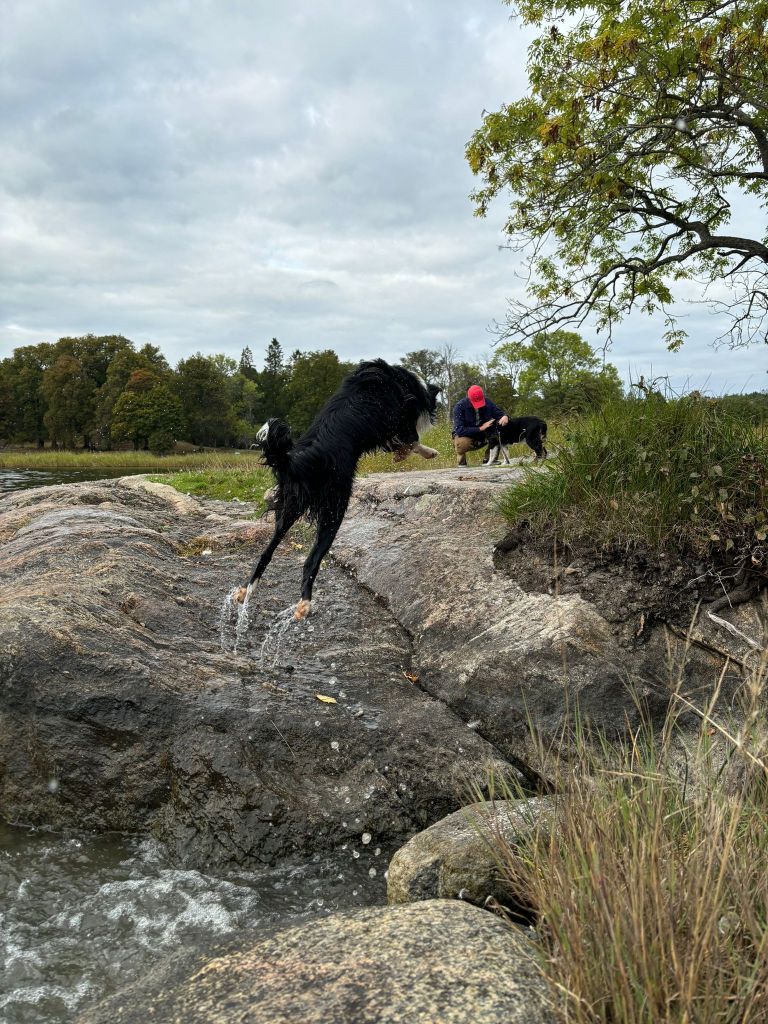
462, 445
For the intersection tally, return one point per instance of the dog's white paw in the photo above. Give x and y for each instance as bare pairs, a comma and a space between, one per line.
239, 594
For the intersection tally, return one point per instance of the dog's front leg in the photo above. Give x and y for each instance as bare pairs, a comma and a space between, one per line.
423, 451
414, 449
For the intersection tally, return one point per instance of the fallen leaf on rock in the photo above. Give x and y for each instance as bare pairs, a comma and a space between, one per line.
411, 676
326, 700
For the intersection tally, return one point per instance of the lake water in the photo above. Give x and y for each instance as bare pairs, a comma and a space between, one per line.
20, 479
83, 915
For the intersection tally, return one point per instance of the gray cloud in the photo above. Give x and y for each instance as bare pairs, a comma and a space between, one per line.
208, 174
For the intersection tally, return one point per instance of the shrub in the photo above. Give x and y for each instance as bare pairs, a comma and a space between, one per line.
680, 475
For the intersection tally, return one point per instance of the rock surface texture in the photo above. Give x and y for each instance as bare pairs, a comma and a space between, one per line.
133, 698
439, 961
501, 655
460, 856
128, 701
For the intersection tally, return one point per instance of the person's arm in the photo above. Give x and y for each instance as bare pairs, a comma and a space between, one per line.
462, 425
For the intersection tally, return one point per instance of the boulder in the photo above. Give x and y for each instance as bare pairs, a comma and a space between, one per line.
506, 656
436, 961
462, 855
133, 698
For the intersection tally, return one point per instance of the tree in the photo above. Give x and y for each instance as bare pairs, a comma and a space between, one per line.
69, 392
273, 381
644, 119
562, 369
6, 402
314, 378
122, 366
24, 371
148, 413
201, 384
246, 367
428, 363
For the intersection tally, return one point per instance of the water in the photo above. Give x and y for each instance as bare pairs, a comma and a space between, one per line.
21, 479
84, 915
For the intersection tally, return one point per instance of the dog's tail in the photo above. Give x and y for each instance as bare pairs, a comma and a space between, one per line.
275, 441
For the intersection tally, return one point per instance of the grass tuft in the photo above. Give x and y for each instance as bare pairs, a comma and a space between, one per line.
679, 475
651, 893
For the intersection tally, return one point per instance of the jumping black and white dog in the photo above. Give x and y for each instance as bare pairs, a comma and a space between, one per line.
530, 429
377, 406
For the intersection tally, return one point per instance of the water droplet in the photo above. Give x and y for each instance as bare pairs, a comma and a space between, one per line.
53, 785
371, 872
366, 838
356, 854
335, 745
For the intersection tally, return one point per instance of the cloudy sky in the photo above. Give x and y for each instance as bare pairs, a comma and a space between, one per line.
205, 174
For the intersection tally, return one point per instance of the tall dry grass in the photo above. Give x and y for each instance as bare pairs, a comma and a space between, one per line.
652, 890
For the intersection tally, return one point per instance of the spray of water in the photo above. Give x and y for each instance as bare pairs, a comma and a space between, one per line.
270, 647
226, 617
241, 627
234, 611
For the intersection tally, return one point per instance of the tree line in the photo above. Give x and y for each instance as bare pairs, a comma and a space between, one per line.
101, 391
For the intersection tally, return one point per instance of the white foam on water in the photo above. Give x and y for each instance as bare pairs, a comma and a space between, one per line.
29, 995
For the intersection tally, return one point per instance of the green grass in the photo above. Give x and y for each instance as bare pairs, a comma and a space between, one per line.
246, 483
679, 475
651, 891
131, 462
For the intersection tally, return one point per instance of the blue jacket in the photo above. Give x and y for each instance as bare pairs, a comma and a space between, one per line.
465, 423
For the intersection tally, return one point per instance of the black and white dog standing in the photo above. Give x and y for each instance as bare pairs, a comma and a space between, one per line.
377, 406
529, 429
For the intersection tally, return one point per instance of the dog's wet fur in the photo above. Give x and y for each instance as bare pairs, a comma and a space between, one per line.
528, 429
378, 406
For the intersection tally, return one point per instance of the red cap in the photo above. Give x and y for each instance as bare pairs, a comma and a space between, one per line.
476, 396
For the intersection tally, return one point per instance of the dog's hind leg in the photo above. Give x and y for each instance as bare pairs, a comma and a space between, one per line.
534, 441
328, 523
286, 517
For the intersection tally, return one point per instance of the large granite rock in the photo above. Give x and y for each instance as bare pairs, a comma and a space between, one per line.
508, 652
440, 961
463, 855
129, 701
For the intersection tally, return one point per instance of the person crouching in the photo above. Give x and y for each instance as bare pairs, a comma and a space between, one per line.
472, 417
